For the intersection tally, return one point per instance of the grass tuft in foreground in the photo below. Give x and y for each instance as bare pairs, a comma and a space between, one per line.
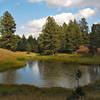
26, 92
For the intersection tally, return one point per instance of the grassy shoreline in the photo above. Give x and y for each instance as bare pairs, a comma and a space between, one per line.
20, 92
71, 59
26, 92
9, 59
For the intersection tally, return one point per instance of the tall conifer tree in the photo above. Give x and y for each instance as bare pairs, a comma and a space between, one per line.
49, 42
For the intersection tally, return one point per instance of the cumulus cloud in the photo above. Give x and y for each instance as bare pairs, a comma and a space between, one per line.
70, 3
36, 25
64, 17
60, 19
88, 12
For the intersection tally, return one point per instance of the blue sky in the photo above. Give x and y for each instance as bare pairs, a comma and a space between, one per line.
30, 15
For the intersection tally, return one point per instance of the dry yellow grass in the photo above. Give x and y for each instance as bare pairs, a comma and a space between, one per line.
9, 59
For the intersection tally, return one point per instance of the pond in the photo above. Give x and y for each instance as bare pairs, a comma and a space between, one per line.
50, 74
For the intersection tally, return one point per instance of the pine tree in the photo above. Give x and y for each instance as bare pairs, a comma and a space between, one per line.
9, 42
64, 39
28, 47
49, 42
33, 44
8, 26
77, 35
22, 44
84, 29
95, 37
72, 37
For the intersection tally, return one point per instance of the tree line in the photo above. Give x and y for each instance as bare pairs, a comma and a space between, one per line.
9, 40
54, 38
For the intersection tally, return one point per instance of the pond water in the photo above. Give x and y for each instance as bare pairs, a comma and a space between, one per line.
50, 74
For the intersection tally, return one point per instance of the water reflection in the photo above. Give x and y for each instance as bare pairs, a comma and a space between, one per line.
8, 77
43, 73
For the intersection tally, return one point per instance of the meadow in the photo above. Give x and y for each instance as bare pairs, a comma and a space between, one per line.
9, 59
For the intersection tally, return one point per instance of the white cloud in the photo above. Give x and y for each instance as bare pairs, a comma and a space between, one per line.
64, 17
69, 3
97, 23
88, 12
60, 19
35, 0
22, 27
28, 34
37, 23
58, 3
35, 26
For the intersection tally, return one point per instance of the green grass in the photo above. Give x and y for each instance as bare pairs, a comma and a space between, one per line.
31, 92
9, 59
71, 58
26, 92
92, 91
